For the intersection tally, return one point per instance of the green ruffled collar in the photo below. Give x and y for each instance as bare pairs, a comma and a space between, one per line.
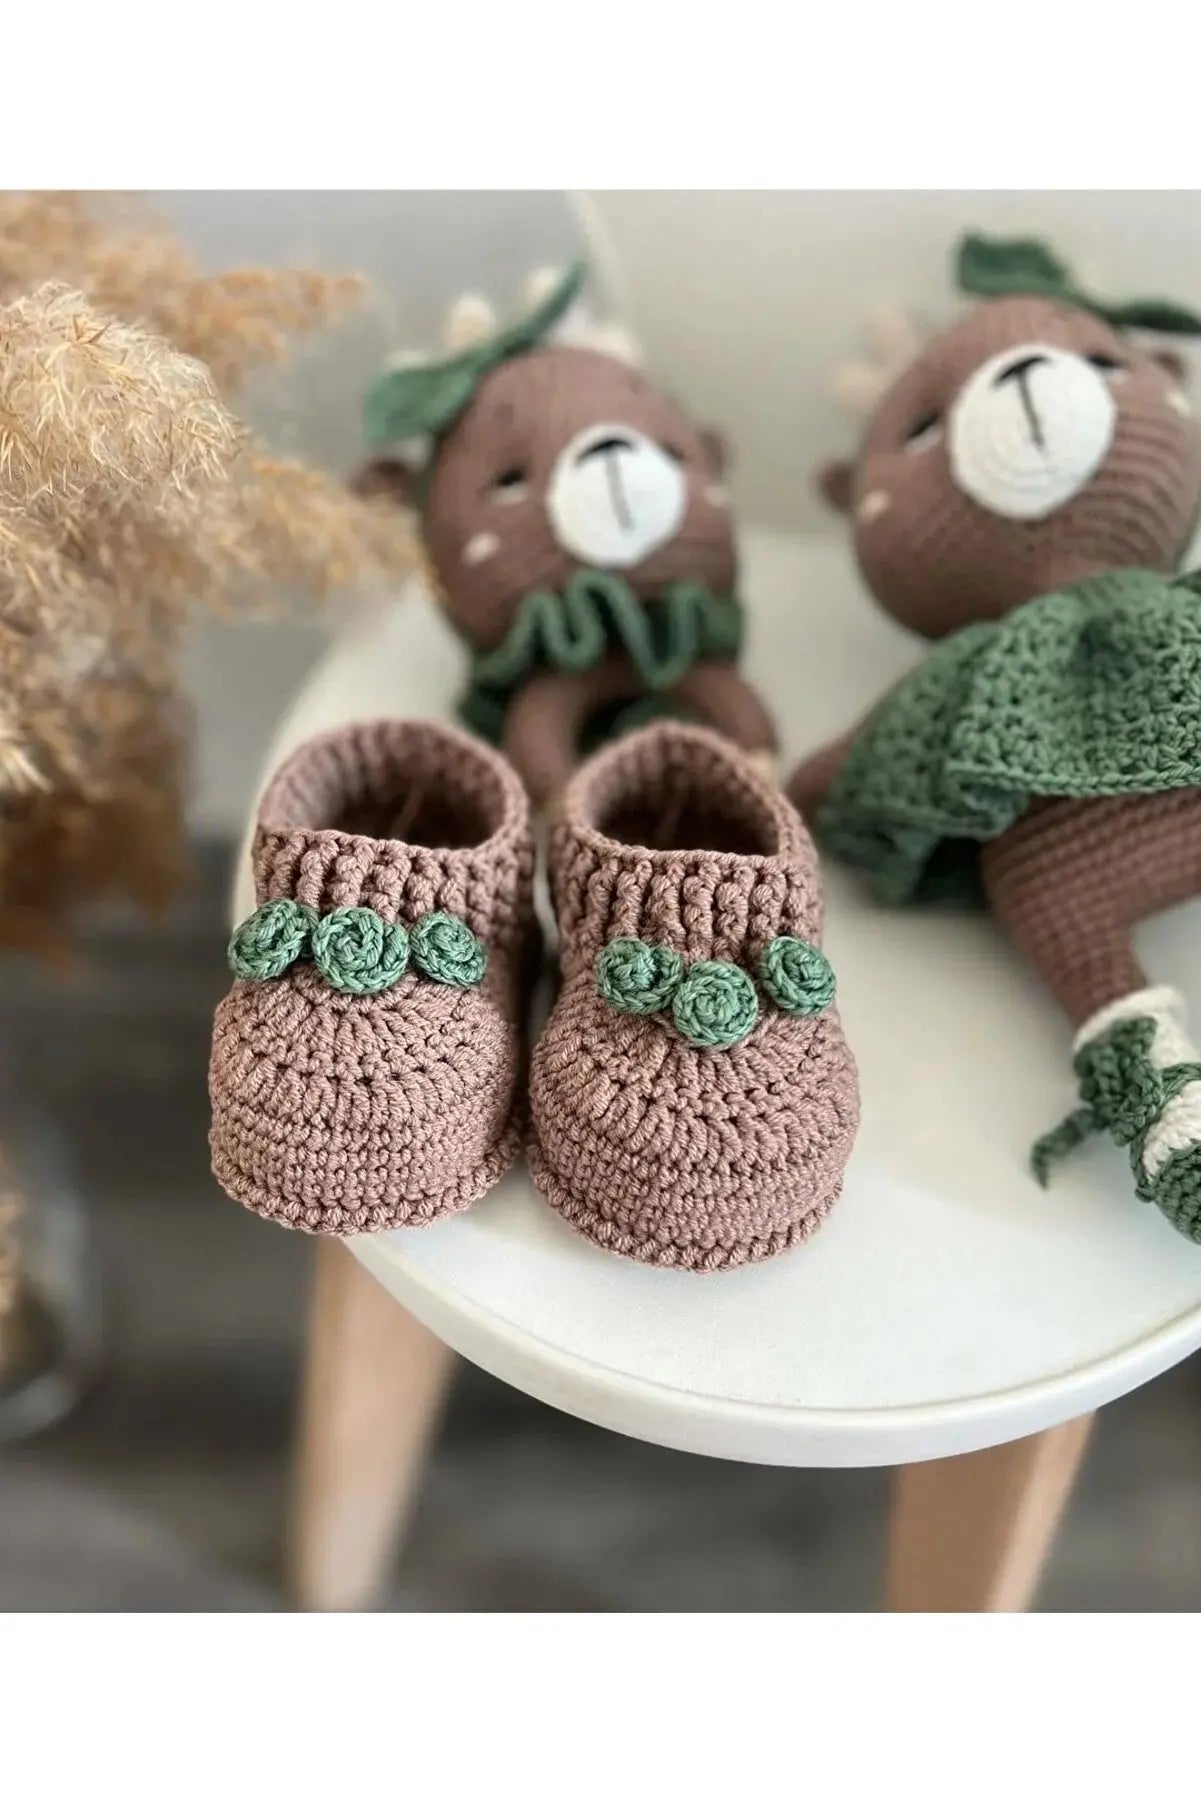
598, 613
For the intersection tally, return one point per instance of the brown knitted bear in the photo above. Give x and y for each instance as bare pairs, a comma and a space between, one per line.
578, 533
1023, 492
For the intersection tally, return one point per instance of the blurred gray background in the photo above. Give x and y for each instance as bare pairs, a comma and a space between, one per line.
165, 1489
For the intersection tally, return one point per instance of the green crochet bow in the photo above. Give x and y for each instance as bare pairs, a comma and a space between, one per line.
713, 1004
598, 612
355, 950
995, 266
428, 397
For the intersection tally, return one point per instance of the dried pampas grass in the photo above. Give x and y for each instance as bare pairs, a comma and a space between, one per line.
92, 410
130, 497
112, 249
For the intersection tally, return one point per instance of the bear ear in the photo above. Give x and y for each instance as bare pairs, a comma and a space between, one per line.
1173, 362
833, 482
383, 478
716, 447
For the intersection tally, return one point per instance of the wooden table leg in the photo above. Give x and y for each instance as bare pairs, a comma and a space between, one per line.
372, 1390
971, 1534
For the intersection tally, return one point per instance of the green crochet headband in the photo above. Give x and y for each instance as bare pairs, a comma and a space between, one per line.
994, 266
428, 397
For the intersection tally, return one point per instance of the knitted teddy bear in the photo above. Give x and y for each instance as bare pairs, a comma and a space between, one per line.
1022, 495
577, 531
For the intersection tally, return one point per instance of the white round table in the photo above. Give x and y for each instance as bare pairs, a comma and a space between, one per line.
948, 1303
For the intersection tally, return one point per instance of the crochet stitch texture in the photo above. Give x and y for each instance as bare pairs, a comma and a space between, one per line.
275, 936
391, 1095
354, 949
1091, 692
647, 1141
713, 1004
597, 614
1124, 1092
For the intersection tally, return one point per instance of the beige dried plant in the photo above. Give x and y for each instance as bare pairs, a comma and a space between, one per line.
130, 498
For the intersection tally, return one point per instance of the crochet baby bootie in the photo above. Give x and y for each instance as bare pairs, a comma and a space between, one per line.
366, 1063
693, 1102
1140, 1081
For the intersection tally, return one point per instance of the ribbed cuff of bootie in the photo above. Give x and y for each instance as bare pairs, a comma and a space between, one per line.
335, 821
730, 904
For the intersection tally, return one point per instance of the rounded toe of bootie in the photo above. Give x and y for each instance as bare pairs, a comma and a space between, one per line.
701, 1160
340, 1114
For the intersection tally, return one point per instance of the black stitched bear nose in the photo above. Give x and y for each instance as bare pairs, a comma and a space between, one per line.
604, 445
1019, 367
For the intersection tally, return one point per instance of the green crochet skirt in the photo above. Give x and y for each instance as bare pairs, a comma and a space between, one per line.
1089, 692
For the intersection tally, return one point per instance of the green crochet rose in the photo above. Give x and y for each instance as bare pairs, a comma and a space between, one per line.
715, 1005
447, 950
797, 976
275, 936
638, 978
356, 951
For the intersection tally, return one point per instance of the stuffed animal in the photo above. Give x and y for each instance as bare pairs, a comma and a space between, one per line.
1023, 493
577, 531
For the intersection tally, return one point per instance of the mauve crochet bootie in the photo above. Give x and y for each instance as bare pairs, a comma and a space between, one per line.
367, 1064
693, 1102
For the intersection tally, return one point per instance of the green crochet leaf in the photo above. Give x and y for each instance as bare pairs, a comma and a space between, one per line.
992, 267
1009, 266
531, 330
407, 403
1152, 315
426, 398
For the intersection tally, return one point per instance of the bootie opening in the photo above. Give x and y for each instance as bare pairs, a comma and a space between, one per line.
392, 779
683, 790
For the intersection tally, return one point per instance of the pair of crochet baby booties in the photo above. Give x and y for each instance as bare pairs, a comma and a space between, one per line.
690, 1101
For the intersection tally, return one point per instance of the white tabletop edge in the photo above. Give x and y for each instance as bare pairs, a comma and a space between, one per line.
755, 1432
